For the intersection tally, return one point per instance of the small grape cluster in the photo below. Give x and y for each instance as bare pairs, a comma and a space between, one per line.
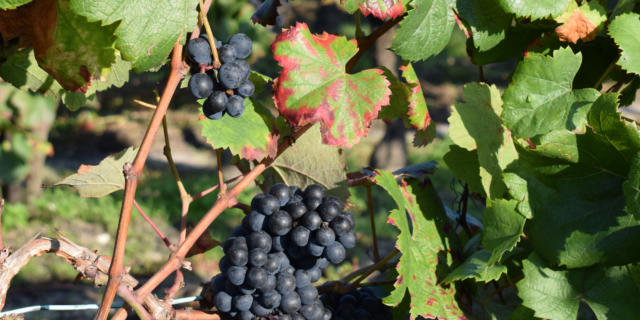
225, 92
272, 260
361, 303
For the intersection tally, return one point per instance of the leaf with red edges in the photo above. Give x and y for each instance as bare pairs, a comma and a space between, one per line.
380, 9
314, 87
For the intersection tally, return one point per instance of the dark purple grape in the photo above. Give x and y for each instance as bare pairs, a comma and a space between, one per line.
215, 103
256, 199
277, 244
239, 231
300, 236
269, 284
231, 74
328, 210
218, 282
224, 264
272, 265
257, 257
302, 278
324, 236
311, 220
259, 310
284, 261
199, 50
227, 53
270, 299
246, 315
335, 253
340, 225
238, 256
256, 277
243, 302
327, 315
285, 282
267, 204
295, 191
280, 191
254, 221
321, 263
246, 289
290, 302
246, 88
242, 44
314, 191
297, 316
313, 312
348, 299
312, 203
290, 270
214, 116
315, 249
314, 274
307, 294
235, 106
235, 242
236, 275
349, 216
222, 301
280, 223
200, 85
296, 209
348, 240
260, 240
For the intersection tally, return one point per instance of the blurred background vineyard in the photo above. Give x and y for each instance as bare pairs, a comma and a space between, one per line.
45, 142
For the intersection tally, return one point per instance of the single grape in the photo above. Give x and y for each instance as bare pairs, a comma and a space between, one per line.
224, 264
340, 225
296, 209
348, 240
311, 220
238, 256
246, 315
314, 274
285, 317
335, 253
270, 299
290, 302
235, 106
246, 89
222, 301
290, 270
280, 223
256, 277
243, 302
349, 216
312, 203
313, 312
240, 231
297, 316
315, 249
284, 261
215, 103
254, 221
327, 315
236, 275
218, 282
295, 191
235, 242
231, 288
314, 191
214, 116
285, 282
260, 240
280, 191
321, 263
277, 243
242, 44
348, 299
245, 70
246, 289
267, 204
269, 284
200, 51
272, 265
200, 85
324, 236
232, 74
227, 53
328, 210
302, 278
257, 257
307, 294
300, 236
259, 310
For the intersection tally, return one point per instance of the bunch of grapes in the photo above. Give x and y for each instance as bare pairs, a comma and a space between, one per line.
272, 260
357, 304
226, 90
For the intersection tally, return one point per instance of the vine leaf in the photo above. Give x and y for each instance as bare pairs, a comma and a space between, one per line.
477, 266
66, 44
581, 22
419, 242
464, 165
610, 292
309, 161
142, 38
487, 21
631, 188
250, 136
103, 179
380, 9
622, 31
503, 226
426, 29
476, 124
12, 4
540, 98
407, 102
314, 87
539, 9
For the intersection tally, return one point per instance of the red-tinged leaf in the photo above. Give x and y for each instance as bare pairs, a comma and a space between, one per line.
380, 9
418, 114
314, 87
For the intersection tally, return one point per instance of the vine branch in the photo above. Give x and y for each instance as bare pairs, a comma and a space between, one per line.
367, 42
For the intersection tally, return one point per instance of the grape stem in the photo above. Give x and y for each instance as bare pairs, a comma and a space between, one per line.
135, 304
207, 28
153, 225
367, 42
376, 252
378, 266
221, 184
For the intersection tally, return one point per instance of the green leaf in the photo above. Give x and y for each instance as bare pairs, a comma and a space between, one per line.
538, 9
476, 124
380, 9
116, 75
12, 4
503, 226
516, 42
464, 166
631, 188
487, 21
250, 136
623, 29
314, 87
21, 69
103, 179
419, 242
426, 30
610, 293
540, 98
309, 161
477, 266
147, 29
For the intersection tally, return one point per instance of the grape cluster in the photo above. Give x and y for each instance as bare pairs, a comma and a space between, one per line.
226, 88
357, 304
272, 260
